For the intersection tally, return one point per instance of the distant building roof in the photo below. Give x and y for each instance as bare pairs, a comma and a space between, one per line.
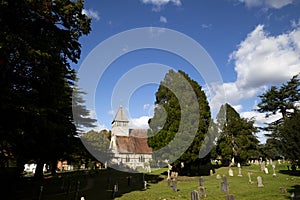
121, 116
135, 143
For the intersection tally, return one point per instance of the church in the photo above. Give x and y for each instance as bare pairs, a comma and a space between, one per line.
129, 146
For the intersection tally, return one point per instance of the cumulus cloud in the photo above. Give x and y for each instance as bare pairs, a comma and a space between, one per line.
91, 13
277, 4
158, 4
260, 60
163, 19
139, 123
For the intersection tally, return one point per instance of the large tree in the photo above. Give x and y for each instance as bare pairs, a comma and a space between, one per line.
38, 41
237, 139
181, 111
282, 101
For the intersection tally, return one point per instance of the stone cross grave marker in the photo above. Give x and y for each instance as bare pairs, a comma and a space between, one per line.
259, 182
195, 195
224, 184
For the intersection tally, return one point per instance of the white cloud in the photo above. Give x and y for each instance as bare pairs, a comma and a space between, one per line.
91, 13
206, 26
158, 4
260, 60
139, 123
146, 106
163, 19
277, 4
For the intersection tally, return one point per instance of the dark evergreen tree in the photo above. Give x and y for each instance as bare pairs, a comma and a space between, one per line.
181, 118
237, 139
38, 40
283, 100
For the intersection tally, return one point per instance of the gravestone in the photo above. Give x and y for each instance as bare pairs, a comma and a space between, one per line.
259, 182
202, 188
274, 172
224, 184
201, 181
266, 170
230, 172
240, 170
249, 178
174, 186
202, 192
195, 195
218, 176
230, 197
169, 182
145, 185
211, 172
282, 190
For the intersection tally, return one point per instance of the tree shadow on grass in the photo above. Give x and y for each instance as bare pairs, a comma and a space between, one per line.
295, 192
290, 172
97, 185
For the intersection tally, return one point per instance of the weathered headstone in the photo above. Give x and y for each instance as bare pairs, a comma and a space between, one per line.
202, 192
282, 190
230, 197
266, 170
174, 186
145, 185
249, 178
218, 176
274, 172
240, 170
224, 184
230, 172
201, 181
259, 182
195, 195
169, 182
211, 172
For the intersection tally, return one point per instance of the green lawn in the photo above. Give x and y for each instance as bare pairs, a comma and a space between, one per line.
99, 185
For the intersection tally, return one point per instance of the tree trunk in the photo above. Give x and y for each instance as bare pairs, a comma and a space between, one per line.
39, 170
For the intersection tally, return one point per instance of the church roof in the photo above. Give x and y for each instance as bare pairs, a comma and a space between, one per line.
135, 143
121, 116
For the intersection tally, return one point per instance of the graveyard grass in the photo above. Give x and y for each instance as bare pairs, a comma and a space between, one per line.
98, 185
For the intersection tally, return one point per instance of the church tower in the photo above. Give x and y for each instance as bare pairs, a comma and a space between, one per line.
120, 124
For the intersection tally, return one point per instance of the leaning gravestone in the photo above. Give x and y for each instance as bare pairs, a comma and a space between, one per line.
224, 184
195, 195
266, 170
259, 182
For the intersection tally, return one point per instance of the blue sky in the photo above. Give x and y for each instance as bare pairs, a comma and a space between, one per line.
254, 44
